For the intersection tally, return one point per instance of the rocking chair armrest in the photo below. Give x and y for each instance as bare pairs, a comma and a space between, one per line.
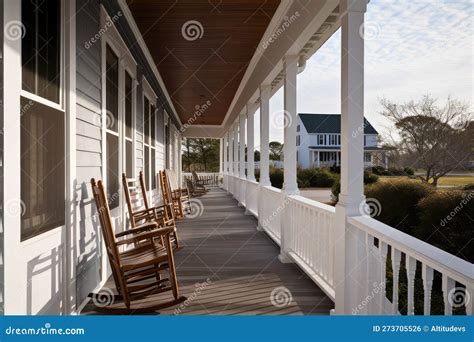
138, 229
159, 232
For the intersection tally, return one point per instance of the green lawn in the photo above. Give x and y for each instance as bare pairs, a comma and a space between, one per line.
448, 180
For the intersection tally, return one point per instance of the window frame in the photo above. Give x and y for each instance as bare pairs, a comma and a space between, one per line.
126, 63
58, 106
150, 180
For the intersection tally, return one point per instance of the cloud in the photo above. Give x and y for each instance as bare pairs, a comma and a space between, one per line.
417, 47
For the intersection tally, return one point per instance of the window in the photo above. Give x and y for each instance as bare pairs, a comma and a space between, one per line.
297, 140
112, 138
167, 144
298, 128
150, 144
128, 125
41, 48
320, 139
42, 131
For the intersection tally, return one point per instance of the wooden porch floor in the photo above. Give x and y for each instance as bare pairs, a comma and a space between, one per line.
227, 267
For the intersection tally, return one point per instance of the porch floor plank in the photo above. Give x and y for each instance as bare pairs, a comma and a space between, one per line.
227, 267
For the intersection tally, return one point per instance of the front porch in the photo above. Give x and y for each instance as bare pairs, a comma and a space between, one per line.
228, 267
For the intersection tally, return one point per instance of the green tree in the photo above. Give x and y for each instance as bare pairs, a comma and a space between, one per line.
276, 150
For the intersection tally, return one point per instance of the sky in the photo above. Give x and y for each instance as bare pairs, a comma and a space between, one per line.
412, 48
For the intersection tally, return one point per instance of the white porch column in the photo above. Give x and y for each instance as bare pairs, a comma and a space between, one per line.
226, 164
351, 276
230, 180
319, 159
221, 151
235, 178
290, 185
242, 178
250, 142
265, 91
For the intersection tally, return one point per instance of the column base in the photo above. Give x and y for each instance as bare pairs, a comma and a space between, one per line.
284, 258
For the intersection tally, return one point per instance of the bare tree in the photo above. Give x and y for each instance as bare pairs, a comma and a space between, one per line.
432, 137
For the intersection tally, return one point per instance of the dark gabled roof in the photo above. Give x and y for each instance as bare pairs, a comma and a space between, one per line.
328, 123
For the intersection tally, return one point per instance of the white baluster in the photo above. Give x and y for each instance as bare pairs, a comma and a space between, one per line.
410, 264
371, 281
383, 274
396, 257
427, 275
469, 299
447, 285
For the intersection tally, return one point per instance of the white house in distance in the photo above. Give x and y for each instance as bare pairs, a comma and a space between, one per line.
318, 141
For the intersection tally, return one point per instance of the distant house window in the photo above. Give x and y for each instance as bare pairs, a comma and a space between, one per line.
320, 139
298, 128
42, 142
365, 140
297, 140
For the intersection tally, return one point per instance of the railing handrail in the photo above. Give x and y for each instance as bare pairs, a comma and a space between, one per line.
272, 188
313, 203
457, 268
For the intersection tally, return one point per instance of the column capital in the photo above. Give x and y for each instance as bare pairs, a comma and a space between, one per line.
290, 60
251, 108
352, 6
265, 91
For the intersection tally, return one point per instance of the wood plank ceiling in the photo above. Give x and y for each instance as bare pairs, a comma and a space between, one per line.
202, 49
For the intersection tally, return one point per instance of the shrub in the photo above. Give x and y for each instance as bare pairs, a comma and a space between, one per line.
276, 178
398, 200
378, 170
446, 222
316, 177
369, 178
409, 171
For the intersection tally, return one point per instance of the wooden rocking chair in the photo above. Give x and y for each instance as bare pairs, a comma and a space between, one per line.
137, 271
178, 191
139, 210
178, 199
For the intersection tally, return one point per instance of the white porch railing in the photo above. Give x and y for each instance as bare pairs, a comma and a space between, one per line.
271, 200
429, 258
310, 240
212, 178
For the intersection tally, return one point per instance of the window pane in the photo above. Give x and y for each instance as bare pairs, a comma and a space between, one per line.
146, 118
112, 170
147, 167
153, 169
128, 105
152, 126
111, 74
167, 147
42, 168
128, 158
41, 48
